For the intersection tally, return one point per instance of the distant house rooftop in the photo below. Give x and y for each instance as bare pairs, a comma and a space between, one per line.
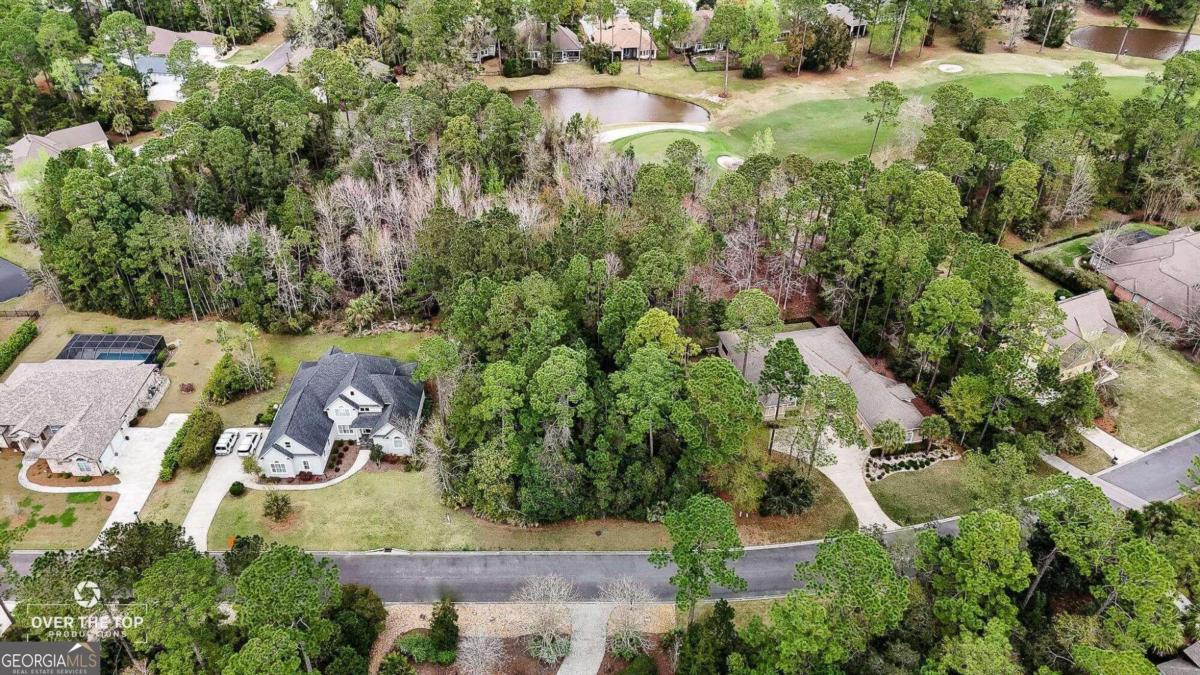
161, 39
31, 146
531, 36
829, 351
1088, 329
621, 33
1164, 270
841, 11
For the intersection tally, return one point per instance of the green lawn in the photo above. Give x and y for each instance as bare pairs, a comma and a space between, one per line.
21, 254
63, 520
171, 501
912, 497
1091, 460
833, 129
651, 147
1035, 280
400, 510
1158, 397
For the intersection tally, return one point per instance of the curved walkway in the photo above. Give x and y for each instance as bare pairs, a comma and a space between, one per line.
137, 466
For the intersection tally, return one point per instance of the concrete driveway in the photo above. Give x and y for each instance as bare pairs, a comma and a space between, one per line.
137, 466
1157, 474
224, 471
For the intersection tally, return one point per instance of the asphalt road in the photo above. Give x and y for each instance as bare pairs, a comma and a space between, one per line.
493, 577
1156, 476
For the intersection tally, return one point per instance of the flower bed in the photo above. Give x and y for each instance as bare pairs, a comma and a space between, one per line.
879, 467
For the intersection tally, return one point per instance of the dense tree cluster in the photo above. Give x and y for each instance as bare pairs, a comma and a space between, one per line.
287, 613
1090, 592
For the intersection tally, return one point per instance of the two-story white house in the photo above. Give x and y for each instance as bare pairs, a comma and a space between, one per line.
342, 397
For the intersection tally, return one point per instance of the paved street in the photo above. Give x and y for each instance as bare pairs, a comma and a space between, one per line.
492, 577
1156, 476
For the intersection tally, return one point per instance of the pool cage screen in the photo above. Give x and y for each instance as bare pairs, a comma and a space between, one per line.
144, 348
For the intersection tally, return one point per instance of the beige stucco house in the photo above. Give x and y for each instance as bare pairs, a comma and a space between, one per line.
75, 413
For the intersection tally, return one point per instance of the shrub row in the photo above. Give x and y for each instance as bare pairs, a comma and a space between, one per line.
1070, 278
16, 343
192, 445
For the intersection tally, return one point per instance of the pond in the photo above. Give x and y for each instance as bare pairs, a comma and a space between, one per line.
1145, 42
613, 105
13, 280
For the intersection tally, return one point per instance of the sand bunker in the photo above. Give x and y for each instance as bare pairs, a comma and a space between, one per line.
730, 162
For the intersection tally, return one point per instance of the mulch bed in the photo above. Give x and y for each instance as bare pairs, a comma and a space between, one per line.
519, 662
40, 474
612, 664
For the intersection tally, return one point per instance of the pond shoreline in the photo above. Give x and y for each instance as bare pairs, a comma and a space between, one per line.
612, 105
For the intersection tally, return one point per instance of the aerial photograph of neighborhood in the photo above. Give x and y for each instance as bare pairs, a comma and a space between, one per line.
599, 337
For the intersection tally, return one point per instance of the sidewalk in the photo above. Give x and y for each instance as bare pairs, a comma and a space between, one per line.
589, 637
1111, 445
1117, 495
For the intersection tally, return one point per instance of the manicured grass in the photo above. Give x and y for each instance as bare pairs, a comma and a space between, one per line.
265, 44
1092, 460
171, 501
1065, 253
1158, 396
400, 510
912, 497
834, 129
63, 520
651, 147
20, 254
1035, 280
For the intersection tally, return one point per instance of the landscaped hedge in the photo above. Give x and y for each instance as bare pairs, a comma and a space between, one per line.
192, 445
16, 343
1074, 280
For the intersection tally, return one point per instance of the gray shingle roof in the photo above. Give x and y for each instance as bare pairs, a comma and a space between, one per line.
829, 351
317, 384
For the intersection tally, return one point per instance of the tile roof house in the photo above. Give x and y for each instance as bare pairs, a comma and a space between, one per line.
73, 414
829, 351
32, 147
626, 37
1162, 273
342, 396
531, 36
1090, 333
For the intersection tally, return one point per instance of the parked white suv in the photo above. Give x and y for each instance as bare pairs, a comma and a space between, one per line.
226, 442
249, 442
